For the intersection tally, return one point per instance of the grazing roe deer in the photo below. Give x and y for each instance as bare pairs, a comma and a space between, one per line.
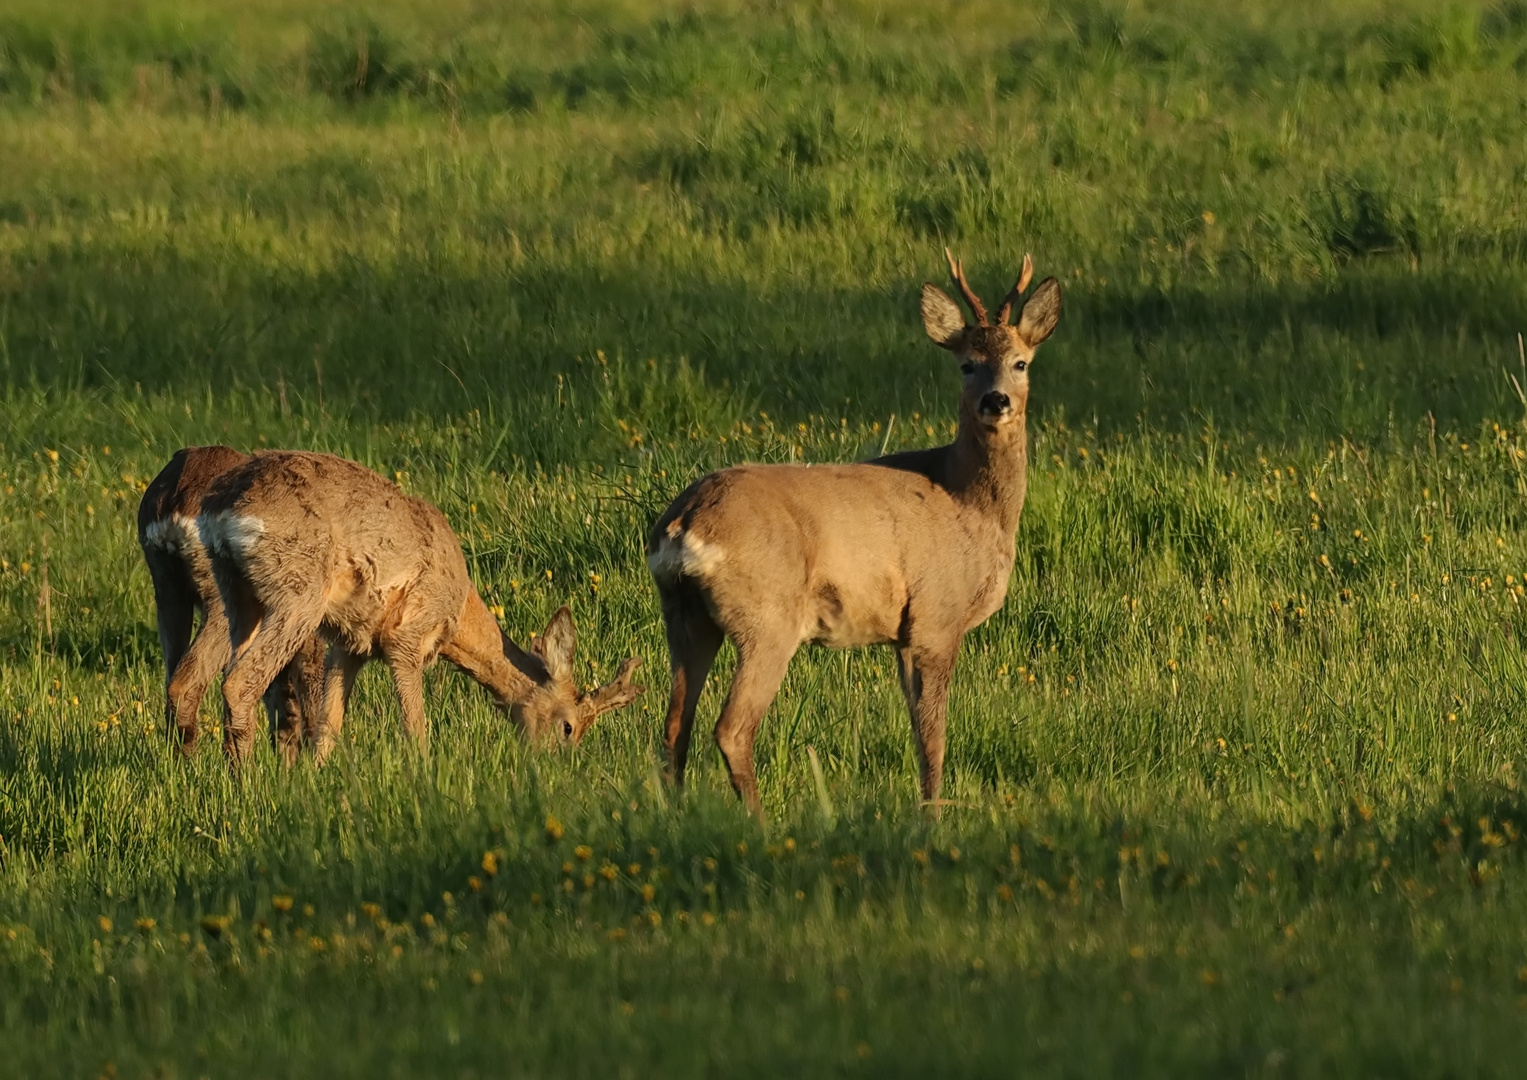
912, 549
307, 543
184, 587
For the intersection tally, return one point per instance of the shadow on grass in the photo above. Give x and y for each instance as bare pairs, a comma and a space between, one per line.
535, 852
93, 647
688, 353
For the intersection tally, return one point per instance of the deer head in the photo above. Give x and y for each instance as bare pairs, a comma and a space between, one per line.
555, 710
994, 357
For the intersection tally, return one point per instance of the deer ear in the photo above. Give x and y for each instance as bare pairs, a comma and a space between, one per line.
556, 644
1041, 313
942, 318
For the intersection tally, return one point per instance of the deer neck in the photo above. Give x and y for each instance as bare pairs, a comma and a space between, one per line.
987, 468
521, 672
482, 649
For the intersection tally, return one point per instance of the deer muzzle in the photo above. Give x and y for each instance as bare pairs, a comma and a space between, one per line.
994, 405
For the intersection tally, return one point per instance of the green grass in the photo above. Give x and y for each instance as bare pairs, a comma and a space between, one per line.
1237, 771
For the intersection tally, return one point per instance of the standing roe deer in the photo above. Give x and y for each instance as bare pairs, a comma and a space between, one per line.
913, 549
310, 543
184, 586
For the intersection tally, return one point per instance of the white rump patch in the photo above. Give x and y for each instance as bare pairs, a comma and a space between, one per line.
230, 534
162, 535
684, 556
170, 534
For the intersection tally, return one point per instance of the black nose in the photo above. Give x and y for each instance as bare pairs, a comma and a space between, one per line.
994, 403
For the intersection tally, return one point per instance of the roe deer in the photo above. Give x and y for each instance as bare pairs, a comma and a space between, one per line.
310, 543
184, 587
913, 549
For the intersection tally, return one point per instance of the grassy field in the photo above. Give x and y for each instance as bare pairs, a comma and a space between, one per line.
1237, 771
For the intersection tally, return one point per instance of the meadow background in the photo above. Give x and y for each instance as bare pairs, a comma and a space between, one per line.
1236, 771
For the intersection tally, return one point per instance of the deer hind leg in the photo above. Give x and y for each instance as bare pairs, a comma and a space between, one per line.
175, 611
693, 640
339, 673
264, 643
761, 664
175, 603
925, 677
188, 684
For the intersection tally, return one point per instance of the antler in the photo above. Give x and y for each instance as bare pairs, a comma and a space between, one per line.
616, 693
1017, 290
957, 271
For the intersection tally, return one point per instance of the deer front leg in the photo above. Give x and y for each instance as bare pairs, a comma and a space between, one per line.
294, 701
408, 679
925, 677
328, 719
284, 708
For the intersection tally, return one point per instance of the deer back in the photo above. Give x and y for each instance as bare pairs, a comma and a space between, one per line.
317, 529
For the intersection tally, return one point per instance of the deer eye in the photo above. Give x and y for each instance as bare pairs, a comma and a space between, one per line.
967, 367
567, 729
1021, 365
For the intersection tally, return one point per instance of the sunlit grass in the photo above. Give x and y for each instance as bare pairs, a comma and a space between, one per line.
1234, 776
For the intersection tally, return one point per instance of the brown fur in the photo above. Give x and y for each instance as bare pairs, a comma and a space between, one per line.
309, 543
912, 550
184, 587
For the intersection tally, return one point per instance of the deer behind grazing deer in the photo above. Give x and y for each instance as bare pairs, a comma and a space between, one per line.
913, 549
184, 586
306, 543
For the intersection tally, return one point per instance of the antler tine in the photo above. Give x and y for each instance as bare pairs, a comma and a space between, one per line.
627, 666
957, 271
619, 691
1017, 290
